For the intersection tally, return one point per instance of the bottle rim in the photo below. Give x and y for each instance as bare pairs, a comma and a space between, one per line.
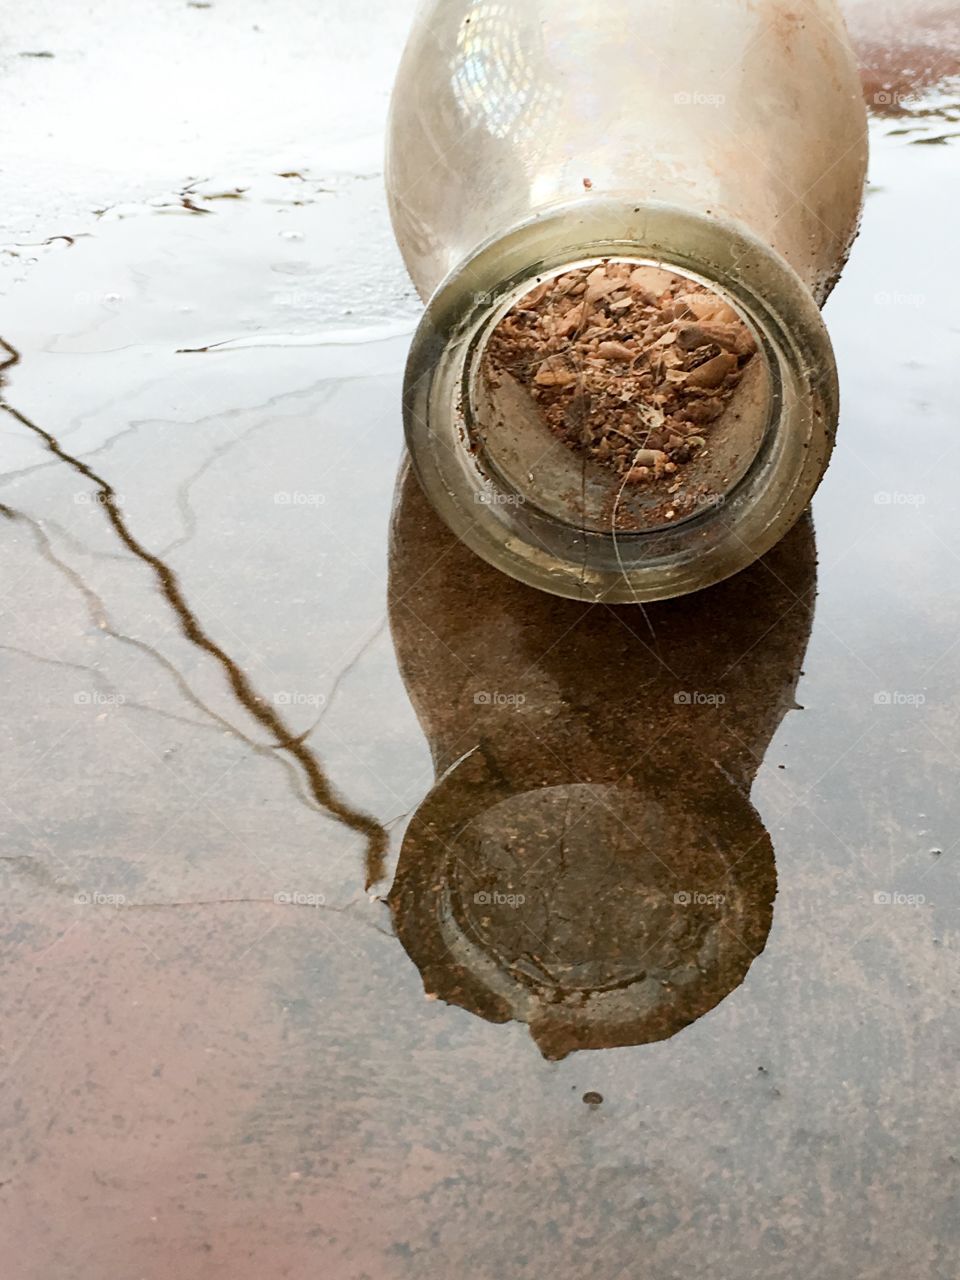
618, 566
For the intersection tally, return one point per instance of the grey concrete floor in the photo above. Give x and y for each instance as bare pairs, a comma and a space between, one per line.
227, 690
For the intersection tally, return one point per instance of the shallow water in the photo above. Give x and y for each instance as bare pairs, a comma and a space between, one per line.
316, 831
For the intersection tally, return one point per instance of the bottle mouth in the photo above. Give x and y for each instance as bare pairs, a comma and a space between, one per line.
621, 402
618, 397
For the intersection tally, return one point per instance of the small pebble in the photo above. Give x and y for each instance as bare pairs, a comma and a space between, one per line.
593, 1099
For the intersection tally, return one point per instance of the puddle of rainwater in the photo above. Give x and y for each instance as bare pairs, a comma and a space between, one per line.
326, 850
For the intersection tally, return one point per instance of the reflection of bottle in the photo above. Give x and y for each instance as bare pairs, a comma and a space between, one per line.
725, 142
589, 861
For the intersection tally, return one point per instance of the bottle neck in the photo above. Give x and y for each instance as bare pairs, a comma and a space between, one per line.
530, 505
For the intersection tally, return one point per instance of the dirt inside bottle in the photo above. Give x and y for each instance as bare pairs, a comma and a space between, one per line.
618, 395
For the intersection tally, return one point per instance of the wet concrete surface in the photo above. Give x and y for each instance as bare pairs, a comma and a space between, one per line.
366, 914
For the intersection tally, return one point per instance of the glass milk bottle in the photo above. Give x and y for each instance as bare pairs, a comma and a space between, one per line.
623, 219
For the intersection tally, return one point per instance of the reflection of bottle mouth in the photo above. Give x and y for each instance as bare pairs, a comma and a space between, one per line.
534, 507
600, 915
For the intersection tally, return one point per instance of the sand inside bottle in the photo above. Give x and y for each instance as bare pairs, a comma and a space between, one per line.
621, 395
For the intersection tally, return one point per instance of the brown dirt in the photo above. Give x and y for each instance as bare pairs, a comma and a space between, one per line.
631, 365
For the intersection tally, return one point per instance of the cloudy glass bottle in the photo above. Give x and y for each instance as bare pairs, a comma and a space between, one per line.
724, 143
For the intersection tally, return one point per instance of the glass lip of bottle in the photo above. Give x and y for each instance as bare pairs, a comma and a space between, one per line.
656, 564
